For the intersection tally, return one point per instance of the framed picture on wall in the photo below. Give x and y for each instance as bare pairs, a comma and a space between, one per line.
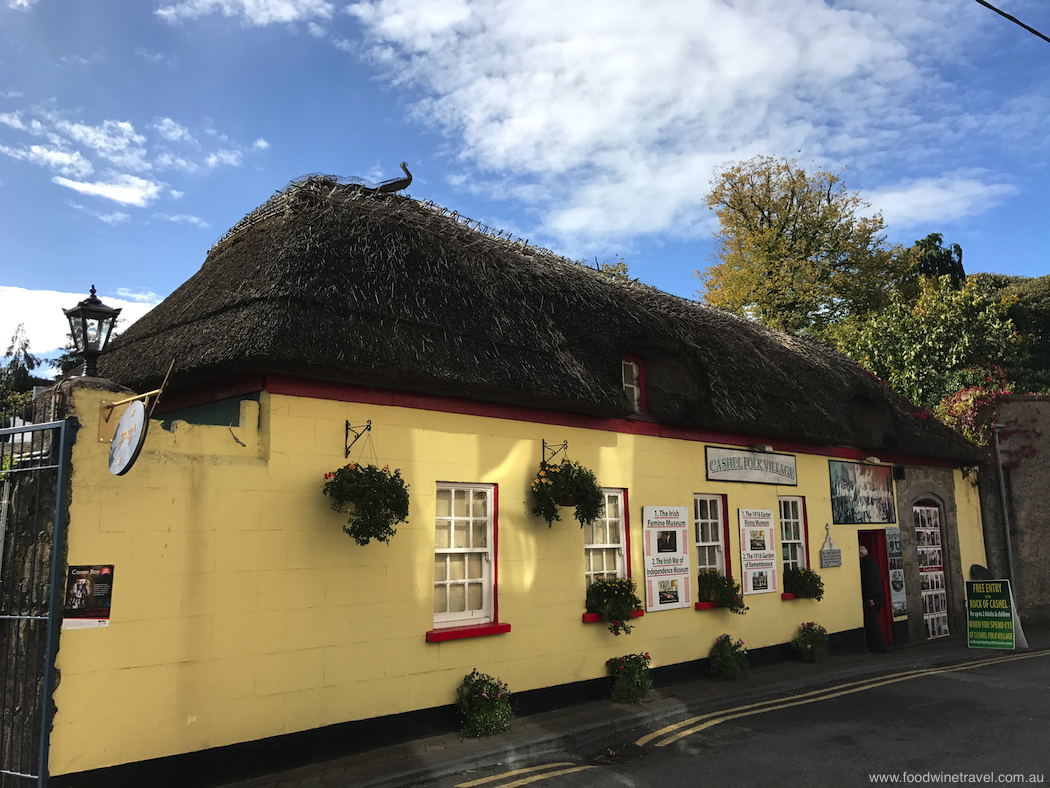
861, 494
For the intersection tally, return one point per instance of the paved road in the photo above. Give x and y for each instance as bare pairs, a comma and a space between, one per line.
918, 727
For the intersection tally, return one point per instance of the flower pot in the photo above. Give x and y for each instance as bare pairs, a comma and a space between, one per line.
787, 596
566, 501
706, 605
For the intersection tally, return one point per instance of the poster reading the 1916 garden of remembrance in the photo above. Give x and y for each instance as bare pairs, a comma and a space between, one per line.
758, 553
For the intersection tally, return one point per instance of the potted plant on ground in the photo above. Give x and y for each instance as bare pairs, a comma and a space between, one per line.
802, 584
484, 703
631, 681
716, 590
810, 642
615, 602
727, 660
566, 484
379, 499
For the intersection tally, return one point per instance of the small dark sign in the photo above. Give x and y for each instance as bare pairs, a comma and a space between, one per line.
89, 592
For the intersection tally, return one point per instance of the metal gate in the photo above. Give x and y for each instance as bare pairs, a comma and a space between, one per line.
34, 476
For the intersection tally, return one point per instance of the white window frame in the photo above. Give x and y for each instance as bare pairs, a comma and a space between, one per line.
793, 531
617, 549
465, 521
704, 547
632, 383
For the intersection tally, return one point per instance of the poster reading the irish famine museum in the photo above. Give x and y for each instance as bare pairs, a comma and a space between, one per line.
89, 591
666, 548
861, 493
758, 554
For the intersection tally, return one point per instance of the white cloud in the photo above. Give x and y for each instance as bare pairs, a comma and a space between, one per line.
260, 144
169, 161
582, 108
65, 162
114, 218
12, 119
316, 30
9, 94
231, 158
937, 200
41, 313
21, 5
115, 140
181, 218
124, 189
148, 297
172, 131
252, 12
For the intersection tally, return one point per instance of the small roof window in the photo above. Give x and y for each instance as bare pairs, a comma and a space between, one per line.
634, 381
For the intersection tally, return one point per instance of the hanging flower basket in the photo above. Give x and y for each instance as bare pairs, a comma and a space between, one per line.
566, 484
714, 587
379, 499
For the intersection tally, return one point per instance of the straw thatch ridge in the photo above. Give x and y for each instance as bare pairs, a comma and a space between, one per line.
331, 281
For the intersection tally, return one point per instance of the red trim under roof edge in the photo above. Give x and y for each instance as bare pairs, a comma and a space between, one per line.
294, 386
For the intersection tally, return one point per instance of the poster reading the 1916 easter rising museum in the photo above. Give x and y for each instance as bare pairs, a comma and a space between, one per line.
666, 549
758, 554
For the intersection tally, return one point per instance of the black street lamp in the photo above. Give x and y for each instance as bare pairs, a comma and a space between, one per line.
91, 322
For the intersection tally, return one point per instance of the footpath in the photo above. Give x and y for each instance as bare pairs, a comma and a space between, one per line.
587, 726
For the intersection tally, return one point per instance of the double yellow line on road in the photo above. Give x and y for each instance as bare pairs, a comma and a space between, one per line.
565, 767
680, 730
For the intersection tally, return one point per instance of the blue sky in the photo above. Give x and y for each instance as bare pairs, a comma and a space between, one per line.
134, 133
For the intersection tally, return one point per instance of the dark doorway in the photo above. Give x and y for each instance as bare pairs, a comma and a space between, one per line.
875, 541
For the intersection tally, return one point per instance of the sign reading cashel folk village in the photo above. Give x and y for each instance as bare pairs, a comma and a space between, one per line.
739, 465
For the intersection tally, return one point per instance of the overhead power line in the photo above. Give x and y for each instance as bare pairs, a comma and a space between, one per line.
1015, 20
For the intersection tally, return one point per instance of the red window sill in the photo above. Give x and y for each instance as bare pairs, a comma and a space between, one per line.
787, 596
706, 605
469, 631
594, 618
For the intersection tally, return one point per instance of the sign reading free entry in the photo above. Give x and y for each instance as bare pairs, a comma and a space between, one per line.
989, 614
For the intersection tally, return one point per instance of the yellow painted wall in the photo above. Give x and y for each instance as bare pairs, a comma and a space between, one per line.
968, 506
241, 610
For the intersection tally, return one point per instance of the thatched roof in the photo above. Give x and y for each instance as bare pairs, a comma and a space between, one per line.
330, 281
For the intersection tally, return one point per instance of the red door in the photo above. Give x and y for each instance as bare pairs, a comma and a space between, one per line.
875, 541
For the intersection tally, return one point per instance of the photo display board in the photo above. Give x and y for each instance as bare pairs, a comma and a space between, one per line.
667, 568
89, 593
758, 552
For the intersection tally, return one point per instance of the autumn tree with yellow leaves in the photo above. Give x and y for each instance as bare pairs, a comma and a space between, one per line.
794, 250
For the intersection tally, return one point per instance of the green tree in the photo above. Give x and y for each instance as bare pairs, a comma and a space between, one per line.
16, 374
946, 340
934, 260
1030, 312
794, 251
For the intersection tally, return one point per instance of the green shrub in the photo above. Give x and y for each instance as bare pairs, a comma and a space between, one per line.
484, 704
631, 682
810, 642
614, 600
727, 660
713, 586
803, 583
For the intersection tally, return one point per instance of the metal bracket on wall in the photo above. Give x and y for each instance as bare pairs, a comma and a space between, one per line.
358, 431
552, 450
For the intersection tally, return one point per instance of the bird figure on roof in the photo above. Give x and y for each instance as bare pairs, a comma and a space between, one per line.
396, 184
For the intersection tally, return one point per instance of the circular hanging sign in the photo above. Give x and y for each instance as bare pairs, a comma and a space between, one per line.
127, 441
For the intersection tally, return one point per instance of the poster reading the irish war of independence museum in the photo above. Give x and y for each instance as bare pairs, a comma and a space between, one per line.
758, 554
89, 592
666, 548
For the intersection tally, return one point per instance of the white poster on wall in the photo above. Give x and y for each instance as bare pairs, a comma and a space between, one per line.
666, 547
758, 553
